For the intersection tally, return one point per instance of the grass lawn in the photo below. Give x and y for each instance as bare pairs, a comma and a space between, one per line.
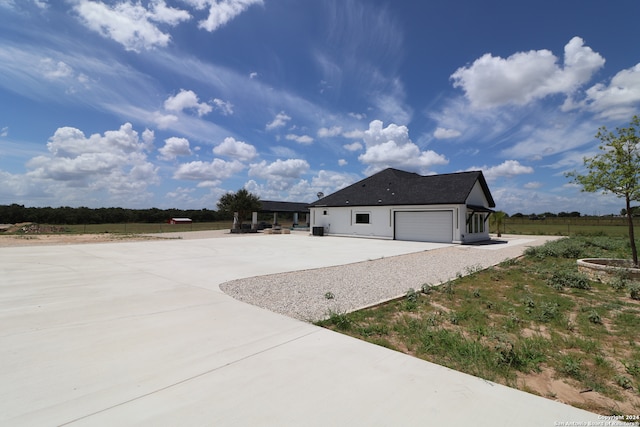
534, 323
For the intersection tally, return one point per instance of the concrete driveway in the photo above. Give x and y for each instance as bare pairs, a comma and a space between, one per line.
138, 333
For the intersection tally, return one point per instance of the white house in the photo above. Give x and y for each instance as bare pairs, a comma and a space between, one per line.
394, 204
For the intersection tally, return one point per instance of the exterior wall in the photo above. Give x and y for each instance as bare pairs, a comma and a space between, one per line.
476, 197
341, 221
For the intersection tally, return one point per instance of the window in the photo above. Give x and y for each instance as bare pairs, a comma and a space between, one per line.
362, 218
476, 223
324, 212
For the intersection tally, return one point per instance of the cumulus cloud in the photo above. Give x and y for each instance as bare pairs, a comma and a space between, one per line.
354, 146
216, 170
342, 162
279, 121
443, 133
115, 162
187, 99
619, 99
129, 23
238, 149
221, 11
300, 139
391, 147
508, 168
298, 190
290, 168
174, 147
492, 81
329, 132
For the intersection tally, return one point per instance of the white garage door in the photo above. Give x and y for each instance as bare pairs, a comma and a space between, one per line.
424, 226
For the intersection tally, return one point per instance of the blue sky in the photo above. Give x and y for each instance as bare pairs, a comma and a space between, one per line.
172, 103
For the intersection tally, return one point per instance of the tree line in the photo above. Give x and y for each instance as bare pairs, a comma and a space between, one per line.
14, 213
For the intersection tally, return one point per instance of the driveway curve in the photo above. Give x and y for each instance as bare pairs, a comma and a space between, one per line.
139, 333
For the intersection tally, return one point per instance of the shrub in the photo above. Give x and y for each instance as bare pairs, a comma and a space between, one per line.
411, 299
568, 279
623, 382
594, 317
342, 321
634, 291
426, 288
548, 311
571, 366
563, 248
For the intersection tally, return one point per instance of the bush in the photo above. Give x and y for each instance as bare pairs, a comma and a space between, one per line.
563, 248
568, 279
634, 291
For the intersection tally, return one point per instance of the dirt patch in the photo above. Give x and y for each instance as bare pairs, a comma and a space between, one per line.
14, 240
569, 392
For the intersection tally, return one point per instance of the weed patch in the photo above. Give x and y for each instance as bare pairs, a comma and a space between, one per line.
534, 316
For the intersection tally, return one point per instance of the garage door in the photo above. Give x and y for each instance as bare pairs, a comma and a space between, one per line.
424, 226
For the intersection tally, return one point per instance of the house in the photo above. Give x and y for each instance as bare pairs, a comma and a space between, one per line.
180, 221
394, 204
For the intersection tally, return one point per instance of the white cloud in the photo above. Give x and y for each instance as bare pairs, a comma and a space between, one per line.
174, 147
355, 146
534, 185
508, 168
221, 11
280, 120
130, 23
619, 99
342, 162
391, 147
358, 116
114, 162
187, 99
225, 107
216, 170
329, 132
300, 139
238, 149
301, 190
290, 168
525, 76
55, 70
4, 131
541, 141
280, 175
443, 133
253, 75
164, 121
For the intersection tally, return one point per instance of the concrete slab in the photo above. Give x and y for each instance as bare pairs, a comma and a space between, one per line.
139, 333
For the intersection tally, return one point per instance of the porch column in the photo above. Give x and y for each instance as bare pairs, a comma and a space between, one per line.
295, 219
254, 220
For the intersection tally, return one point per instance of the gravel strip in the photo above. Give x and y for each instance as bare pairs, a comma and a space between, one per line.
303, 294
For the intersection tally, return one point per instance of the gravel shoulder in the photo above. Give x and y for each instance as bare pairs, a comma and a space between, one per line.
304, 294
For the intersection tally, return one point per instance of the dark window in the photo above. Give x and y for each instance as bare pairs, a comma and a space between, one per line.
362, 218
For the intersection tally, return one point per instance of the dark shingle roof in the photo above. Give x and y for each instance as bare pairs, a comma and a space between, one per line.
396, 187
273, 206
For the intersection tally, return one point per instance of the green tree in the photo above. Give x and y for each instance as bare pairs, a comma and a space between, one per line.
615, 170
497, 219
242, 202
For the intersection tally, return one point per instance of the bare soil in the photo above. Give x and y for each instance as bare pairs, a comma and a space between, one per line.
12, 240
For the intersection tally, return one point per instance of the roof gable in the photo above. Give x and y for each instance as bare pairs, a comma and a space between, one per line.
397, 187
